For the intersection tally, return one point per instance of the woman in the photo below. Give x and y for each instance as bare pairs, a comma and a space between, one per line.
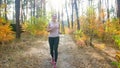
53, 28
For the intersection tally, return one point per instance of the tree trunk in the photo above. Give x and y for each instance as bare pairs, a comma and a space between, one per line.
63, 29
31, 10
5, 10
0, 5
118, 8
41, 12
17, 10
44, 7
67, 14
21, 12
34, 10
14, 16
76, 8
58, 16
99, 9
72, 13
108, 13
26, 9
24, 15
37, 11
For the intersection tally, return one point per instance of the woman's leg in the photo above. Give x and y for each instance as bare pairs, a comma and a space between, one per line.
51, 43
56, 42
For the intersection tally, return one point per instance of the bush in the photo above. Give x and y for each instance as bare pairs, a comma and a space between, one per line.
37, 28
117, 40
6, 33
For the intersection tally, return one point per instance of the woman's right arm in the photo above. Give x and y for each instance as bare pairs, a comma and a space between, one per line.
51, 27
48, 27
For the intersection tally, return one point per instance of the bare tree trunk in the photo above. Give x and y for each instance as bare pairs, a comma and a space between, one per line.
26, 16
0, 5
14, 16
99, 9
62, 23
72, 3
31, 10
67, 14
23, 5
17, 10
37, 11
76, 8
21, 12
108, 13
5, 10
44, 7
34, 10
41, 12
118, 8
58, 16
90, 31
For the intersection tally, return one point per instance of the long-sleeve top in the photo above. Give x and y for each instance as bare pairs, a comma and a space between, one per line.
53, 28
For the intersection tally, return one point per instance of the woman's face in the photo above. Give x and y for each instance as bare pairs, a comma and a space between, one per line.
54, 17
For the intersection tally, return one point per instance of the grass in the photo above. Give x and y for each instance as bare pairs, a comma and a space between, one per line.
11, 53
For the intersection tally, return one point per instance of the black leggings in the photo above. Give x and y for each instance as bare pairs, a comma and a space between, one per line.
53, 42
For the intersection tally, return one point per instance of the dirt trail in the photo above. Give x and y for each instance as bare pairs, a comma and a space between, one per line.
70, 56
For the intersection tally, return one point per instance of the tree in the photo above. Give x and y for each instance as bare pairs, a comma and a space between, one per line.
21, 11
25, 9
77, 15
34, 9
72, 3
63, 28
17, 10
67, 14
108, 13
118, 8
5, 1
99, 9
9, 5
0, 5
44, 7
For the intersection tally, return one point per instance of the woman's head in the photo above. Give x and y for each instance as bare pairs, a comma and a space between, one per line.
54, 17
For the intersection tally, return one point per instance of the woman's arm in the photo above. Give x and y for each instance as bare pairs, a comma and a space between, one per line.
48, 27
52, 27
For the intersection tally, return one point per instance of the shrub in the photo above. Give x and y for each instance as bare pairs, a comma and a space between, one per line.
37, 28
6, 33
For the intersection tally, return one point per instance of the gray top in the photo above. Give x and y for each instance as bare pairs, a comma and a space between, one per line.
54, 29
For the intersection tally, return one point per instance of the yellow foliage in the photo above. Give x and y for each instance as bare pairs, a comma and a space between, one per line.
111, 27
24, 26
6, 34
41, 33
67, 30
3, 5
117, 56
1, 21
100, 46
118, 32
38, 28
102, 13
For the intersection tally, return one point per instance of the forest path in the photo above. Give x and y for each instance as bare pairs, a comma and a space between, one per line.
69, 56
